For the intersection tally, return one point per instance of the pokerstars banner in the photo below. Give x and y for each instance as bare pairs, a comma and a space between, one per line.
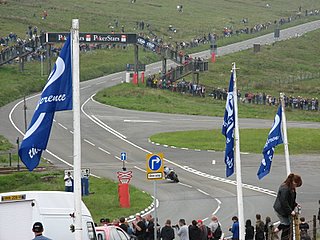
126, 38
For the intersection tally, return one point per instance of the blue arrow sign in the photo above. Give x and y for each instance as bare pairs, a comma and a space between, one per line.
123, 156
155, 162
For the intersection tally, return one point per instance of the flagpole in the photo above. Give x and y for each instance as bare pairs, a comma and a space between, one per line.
76, 129
237, 157
285, 138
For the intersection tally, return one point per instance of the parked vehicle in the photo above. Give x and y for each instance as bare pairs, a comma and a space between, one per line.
54, 209
111, 232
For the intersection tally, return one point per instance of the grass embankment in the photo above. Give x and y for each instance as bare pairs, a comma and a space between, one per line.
197, 18
102, 204
140, 98
251, 140
287, 66
15, 84
6, 149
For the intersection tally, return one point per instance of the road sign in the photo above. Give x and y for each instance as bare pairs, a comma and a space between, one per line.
123, 156
131, 67
124, 176
154, 164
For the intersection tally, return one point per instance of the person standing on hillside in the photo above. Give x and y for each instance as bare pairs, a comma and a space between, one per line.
285, 203
68, 182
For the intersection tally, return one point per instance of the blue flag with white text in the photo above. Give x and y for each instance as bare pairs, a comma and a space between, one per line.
274, 139
228, 130
55, 96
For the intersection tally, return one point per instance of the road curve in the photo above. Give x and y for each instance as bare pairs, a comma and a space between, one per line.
107, 131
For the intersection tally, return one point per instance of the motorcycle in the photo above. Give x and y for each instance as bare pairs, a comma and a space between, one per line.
171, 174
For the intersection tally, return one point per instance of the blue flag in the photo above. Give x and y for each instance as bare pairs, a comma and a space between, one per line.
274, 139
228, 130
55, 96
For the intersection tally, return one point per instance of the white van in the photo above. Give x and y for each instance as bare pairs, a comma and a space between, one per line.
19, 210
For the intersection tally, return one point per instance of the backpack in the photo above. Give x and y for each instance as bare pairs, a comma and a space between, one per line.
218, 232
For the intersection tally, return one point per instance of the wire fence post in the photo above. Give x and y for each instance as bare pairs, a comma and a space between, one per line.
314, 227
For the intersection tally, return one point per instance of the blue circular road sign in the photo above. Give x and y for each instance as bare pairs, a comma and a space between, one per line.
155, 162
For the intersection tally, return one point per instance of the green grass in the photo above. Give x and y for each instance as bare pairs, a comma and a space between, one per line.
199, 16
102, 204
251, 140
5, 145
140, 98
287, 66
15, 84
198, 19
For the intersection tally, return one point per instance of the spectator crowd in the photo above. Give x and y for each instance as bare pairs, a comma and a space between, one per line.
143, 228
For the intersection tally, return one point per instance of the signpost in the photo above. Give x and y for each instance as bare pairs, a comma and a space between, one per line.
154, 164
131, 67
123, 157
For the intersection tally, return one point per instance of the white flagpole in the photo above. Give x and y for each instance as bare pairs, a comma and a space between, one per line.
285, 137
76, 129
237, 156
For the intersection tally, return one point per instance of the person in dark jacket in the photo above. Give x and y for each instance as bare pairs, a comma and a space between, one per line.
259, 228
267, 227
194, 231
167, 232
286, 202
249, 229
139, 227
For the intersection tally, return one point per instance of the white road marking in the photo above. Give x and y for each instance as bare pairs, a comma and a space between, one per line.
219, 205
115, 79
142, 170
186, 185
106, 127
85, 87
141, 121
103, 150
62, 126
100, 83
205, 193
87, 141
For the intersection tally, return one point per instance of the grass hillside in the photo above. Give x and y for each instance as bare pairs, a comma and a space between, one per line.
198, 16
289, 66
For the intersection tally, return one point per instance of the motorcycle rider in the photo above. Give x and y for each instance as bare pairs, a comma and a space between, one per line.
166, 171
170, 174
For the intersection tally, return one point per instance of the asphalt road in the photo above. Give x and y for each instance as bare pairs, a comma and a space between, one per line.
203, 190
